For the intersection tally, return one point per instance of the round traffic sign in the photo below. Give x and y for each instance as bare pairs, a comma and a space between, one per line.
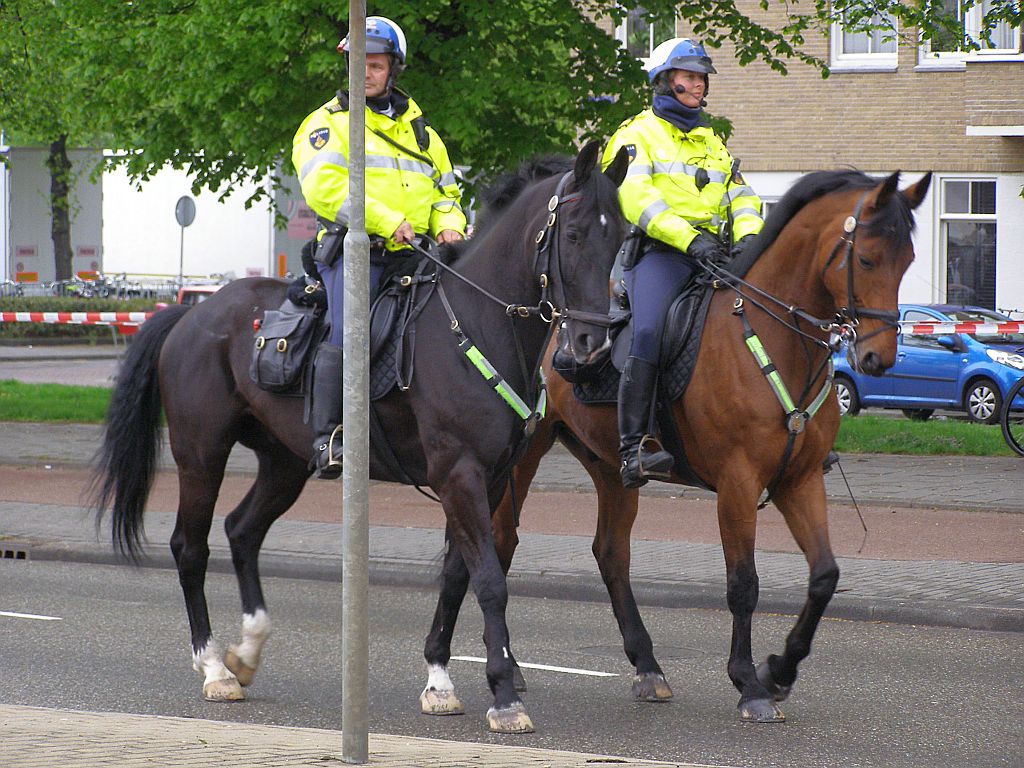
185, 210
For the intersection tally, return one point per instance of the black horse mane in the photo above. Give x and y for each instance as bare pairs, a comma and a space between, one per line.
500, 193
895, 222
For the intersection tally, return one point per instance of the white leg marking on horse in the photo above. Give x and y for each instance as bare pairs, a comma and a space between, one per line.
438, 678
209, 663
255, 631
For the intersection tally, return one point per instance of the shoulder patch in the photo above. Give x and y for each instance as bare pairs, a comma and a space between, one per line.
631, 151
737, 178
318, 138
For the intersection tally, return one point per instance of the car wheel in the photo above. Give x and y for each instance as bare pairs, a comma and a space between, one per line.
918, 414
846, 394
983, 402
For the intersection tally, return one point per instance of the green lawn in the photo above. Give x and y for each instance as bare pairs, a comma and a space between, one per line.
857, 434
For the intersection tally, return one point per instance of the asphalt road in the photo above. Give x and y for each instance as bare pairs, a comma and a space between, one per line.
870, 694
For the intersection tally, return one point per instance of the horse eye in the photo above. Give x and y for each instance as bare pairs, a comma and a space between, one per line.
864, 263
572, 235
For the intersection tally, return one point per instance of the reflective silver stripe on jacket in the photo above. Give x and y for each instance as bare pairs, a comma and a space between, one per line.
675, 166
446, 206
734, 192
322, 158
650, 212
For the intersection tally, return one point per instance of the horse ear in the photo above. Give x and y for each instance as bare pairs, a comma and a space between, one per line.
616, 170
884, 192
586, 161
915, 194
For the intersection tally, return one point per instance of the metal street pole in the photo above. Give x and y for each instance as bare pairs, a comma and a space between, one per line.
355, 646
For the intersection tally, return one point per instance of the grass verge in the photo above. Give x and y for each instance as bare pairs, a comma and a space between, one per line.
857, 434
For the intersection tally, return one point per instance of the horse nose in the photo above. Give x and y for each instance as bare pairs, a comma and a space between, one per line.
587, 343
871, 363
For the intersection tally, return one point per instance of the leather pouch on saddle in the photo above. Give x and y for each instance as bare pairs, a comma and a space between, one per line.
282, 342
629, 251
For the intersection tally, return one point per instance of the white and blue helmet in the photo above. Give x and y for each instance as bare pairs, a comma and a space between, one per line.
679, 53
382, 36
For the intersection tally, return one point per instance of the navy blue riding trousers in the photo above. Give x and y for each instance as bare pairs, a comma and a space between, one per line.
652, 285
333, 278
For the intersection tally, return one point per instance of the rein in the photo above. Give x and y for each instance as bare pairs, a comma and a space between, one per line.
546, 255
841, 327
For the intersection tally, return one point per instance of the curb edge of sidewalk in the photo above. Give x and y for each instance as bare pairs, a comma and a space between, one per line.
648, 593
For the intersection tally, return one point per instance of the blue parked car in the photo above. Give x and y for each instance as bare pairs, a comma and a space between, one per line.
959, 371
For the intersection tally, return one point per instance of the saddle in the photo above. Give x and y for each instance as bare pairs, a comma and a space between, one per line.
598, 383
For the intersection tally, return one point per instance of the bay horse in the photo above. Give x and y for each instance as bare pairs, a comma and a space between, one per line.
829, 260
551, 249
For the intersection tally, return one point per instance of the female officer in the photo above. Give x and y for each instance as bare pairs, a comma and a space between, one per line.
410, 188
680, 188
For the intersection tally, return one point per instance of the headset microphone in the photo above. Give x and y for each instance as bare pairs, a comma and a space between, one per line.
681, 89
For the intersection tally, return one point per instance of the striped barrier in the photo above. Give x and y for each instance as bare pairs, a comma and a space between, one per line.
77, 318
986, 329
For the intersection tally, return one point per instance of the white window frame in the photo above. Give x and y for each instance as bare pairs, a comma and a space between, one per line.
881, 61
622, 37
945, 218
957, 60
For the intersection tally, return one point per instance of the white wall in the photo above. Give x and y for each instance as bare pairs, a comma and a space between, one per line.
1010, 243
141, 235
5, 234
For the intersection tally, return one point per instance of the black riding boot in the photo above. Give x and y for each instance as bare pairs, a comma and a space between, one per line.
325, 414
642, 456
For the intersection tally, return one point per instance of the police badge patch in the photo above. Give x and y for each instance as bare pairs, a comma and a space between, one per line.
318, 138
631, 151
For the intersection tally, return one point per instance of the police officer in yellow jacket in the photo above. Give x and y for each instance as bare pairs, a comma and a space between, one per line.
410, 189
682, 190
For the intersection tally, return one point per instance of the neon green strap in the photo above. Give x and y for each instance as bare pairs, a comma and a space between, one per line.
515, 402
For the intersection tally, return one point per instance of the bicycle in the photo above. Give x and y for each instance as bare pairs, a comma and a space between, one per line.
1012, 417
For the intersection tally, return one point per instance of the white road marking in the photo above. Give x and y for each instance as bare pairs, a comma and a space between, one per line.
546, 667
13, 615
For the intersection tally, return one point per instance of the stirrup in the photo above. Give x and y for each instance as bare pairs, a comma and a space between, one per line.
659, 461
330, 468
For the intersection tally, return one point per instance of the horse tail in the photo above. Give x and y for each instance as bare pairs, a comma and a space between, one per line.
125, 463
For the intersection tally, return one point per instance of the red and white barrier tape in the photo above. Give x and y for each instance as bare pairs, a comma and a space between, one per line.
986, 329
77, 318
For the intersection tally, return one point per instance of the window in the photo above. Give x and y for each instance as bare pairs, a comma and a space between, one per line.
925, 340
956, 46
871, 50
969, 241
640, 35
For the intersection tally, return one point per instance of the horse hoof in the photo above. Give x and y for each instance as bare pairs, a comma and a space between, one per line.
511, 719
764, 677
223, 690
239, 668
651, 686
518, 681
760, 711
435, 702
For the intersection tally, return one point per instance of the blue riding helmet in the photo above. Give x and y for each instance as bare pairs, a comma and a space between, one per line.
382, 36
679, 53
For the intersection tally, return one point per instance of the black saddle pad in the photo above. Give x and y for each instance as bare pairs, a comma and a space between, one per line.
681, 343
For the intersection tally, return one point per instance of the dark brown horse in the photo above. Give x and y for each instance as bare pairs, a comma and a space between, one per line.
830, 259
552, 246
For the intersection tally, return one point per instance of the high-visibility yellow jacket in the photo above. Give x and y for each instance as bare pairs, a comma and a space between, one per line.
660, 192
400, 185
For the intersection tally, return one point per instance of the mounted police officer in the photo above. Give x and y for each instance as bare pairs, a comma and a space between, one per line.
680, 189
410, 189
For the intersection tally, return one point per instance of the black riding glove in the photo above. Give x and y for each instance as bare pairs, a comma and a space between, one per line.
740, 246
707, 247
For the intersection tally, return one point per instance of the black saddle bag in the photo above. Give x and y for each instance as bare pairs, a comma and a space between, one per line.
281, 345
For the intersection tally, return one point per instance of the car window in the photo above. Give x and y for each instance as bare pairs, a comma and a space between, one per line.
914, 316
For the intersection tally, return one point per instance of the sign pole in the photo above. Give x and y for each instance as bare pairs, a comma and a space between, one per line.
355, 413
185, 213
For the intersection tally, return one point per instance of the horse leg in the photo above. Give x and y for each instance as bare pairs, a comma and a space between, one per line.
505, 520
737, 521
279, 481
803, 506
197, 495
616, 512
464, 498
438, 697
